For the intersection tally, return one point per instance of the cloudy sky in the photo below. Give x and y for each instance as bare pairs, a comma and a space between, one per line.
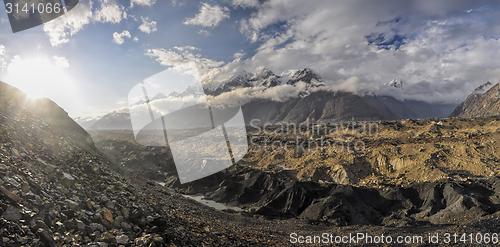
89, 59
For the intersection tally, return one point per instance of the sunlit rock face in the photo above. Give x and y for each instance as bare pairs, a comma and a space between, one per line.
483, 102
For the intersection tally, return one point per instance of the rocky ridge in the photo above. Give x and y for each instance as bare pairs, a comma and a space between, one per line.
483, 102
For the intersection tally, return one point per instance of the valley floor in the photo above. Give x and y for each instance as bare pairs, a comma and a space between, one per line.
413, 178
67, 193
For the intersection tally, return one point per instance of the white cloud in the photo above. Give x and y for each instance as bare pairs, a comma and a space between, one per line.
60, 62
244, 95
119, 37
110, 12
60, 29
182, 55
147, 26
209, 16
178, 2
136, 39
142, 2
186, 48
70, 23
245, 3
444, 52
239, 55
204, 32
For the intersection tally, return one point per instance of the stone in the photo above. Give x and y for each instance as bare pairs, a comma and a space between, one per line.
104, 199
143, 241
125, 213
12, 181
72, 205
126, 226
106, 224
108, 237
12, 214
69, 213
102, 244
97, 217
136, 214
96, 227
158, 241
22, 240
67, 180
70, 224
88, 203
107, 215
59, 226
49, 169
46, 238
149, 240
95, 236
110, 204
25, 187
122, 239
15, 152
117, 222
13, 197
42, 224
80, 225
149, 219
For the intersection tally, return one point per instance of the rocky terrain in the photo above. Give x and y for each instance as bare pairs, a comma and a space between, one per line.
61, 186
483, 102
155, 163
401, 173
57, 189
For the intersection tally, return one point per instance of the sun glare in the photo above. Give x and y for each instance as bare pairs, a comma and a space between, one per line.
40, 77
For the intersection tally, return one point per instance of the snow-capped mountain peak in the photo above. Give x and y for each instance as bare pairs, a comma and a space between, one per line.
159, 96
396, 83
261, 73
243, 76
263, 77
305, 75
483, 88
86, 122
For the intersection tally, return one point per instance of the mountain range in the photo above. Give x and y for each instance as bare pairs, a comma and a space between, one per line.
301, 95
113, 120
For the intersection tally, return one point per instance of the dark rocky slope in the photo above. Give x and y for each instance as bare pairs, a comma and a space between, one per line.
57, 189
480, 103
17, 108
318, 106
280, 194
